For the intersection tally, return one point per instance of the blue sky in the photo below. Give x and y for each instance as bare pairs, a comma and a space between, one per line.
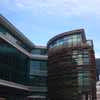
40, 20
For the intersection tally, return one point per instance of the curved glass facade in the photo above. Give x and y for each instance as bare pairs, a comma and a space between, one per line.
71, 68
70, 40
80, 57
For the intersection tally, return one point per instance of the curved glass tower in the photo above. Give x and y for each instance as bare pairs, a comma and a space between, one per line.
71, 67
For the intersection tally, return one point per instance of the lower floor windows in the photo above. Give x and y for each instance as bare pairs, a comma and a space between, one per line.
36, 80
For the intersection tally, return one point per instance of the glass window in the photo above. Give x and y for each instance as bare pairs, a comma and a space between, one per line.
60, 42
74, 37
70, 40
66, 38
54, 44
50, 46
70, 37
75, 52
75, 41
43, 51
3, 29
39, 51
80, 57
38, 66
80, 61
85, 56
79, 36
38, 80
43, 65
83, 78
13, 64
78, 39
86, 60
36, 51
85, 51
34, 66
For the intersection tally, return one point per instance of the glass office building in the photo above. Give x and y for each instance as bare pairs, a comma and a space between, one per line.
23, 65
71, 67
38, 74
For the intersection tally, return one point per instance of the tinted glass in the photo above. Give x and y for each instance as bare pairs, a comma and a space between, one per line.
80, 57
38, 73
71, 40
39, 51
3, 30
13, 64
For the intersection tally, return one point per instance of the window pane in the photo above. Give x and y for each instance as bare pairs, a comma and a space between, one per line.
86, 60
43, 65
36, 51
34, 65
74, 37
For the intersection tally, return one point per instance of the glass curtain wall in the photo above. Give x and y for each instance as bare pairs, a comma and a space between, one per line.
71, 40
3, 30
39, 51
80, 57
38, 73
13, 64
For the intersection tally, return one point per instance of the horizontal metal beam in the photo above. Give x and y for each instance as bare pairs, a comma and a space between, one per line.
14, 85
38, 89
15, 31
37, 97
31, 56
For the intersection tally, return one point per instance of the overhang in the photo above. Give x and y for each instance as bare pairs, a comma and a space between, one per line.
22, 50
15, 31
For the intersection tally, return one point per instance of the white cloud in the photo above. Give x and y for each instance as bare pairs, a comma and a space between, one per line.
69, 8
20, 5
97, 55
62, 7
56, 7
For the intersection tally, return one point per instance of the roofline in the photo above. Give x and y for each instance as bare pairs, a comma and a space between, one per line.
67, 33
15, 31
